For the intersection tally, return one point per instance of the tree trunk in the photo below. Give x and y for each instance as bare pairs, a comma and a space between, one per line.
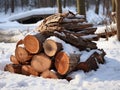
12, 6
65, 63
97, 6
118, 18
59, 4
51, 47
113, 6
41, 62
81, 7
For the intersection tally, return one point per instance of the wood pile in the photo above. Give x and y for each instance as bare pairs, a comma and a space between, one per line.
39, 56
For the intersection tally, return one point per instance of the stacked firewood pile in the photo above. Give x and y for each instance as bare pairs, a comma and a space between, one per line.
39, 55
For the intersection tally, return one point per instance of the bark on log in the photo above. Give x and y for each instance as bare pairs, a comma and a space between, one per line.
92, 62
67, 20
22, 55
49, 74
13, 68
108, 34
78, 42
33, 43
41, 62
76, 27
51, 47
28, 70
65, 63
56, 18
14, 60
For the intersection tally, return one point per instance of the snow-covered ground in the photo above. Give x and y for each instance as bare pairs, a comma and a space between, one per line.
107, 77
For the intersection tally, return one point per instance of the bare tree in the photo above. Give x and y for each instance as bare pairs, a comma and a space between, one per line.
97, 6
81, 7
12, 6
118, 18
59, 4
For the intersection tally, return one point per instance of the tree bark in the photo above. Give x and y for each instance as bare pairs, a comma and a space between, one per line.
81, 7
78, 42
118, 18
12, 6
59, 4
13, 68
97, 6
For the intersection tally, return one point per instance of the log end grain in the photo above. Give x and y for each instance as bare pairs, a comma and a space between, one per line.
41, 62
22, 55
49, 74
62, 63
32, 44
13, 59
28, 70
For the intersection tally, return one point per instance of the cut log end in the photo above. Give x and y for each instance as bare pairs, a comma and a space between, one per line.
13, 68
28, 70
49, 74
51, 47
41, 62
62, 63
13, 59
22, 55
32, 44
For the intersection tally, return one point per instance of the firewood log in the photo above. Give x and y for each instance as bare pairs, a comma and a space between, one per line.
51, 47
56, 18
67, 20
76, 27
41, 62
78, 42
92, 62
22, 55
49, 74
33, 43
28, 70
13, 68
65, 63
14, 60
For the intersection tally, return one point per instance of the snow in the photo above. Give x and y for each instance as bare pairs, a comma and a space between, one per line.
107, 77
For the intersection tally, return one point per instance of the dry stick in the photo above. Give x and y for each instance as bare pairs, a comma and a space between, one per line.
51, 47
41, 62
65, 63
14, 60
14, 68
49, 74
28, 70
